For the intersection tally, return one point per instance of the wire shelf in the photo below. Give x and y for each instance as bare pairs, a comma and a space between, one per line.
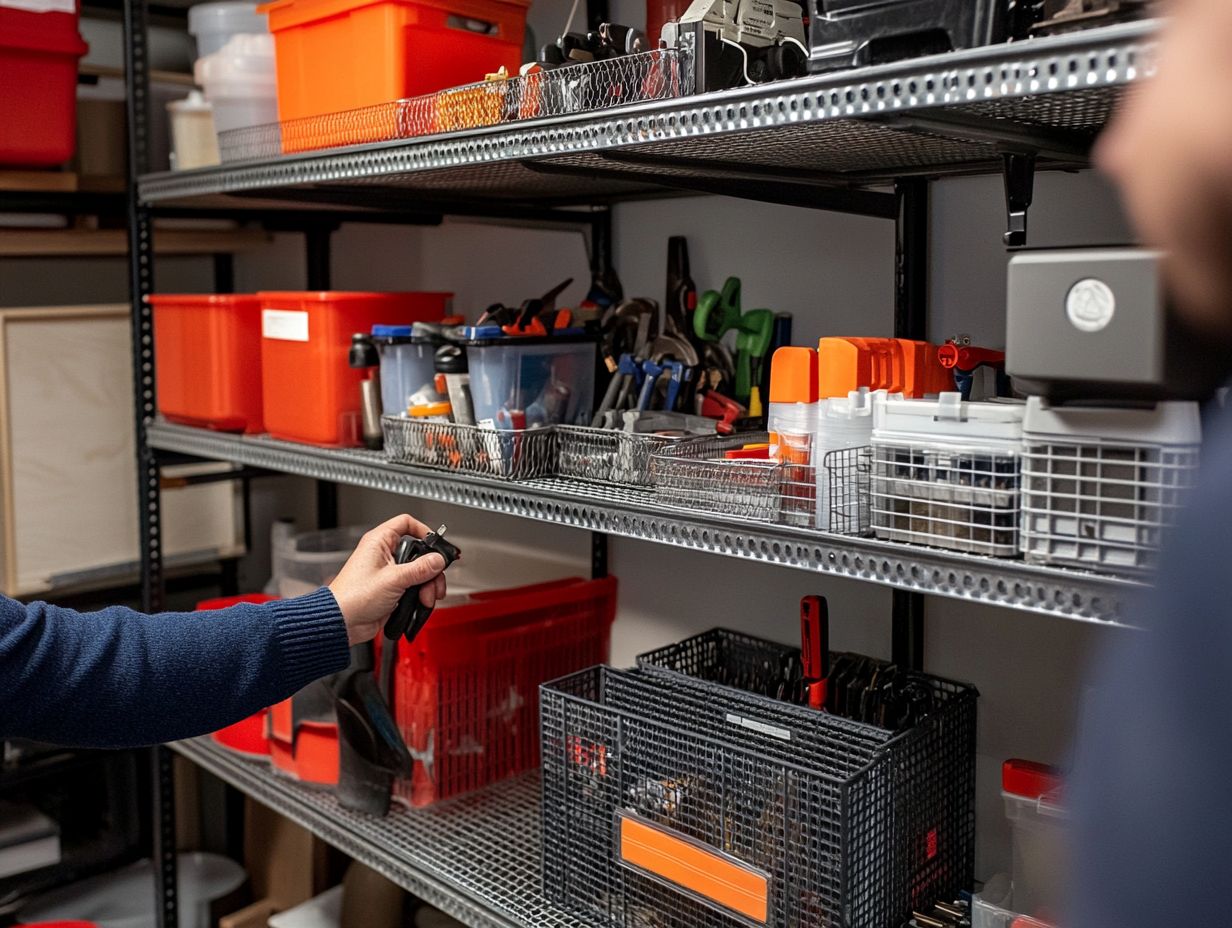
507, 454
581, 88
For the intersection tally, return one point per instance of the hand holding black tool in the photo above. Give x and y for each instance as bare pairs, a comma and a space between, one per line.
410, 615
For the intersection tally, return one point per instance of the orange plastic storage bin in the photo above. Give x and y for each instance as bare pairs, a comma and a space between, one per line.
310, 393
208, 354
39, 49
335, 55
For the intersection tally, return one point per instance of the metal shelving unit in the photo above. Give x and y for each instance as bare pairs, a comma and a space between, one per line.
953, 113
837, 142
635, 514
476, 858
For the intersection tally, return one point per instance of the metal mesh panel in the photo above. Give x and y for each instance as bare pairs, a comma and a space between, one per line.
817, 807
844, 480
581, 88
1101, 506
694, 475
470, 449
966, 500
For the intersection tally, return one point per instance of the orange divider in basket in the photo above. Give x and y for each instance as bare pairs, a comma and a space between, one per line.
685, 863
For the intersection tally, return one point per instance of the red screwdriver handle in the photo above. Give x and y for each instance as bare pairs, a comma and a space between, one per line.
815, 648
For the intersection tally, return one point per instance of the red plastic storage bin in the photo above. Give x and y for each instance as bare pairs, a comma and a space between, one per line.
247, 736
305, 749
208, 354
335, 55
310, 393
38, 82
466, 690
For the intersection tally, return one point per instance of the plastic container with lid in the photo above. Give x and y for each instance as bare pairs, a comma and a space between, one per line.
194, 143
406, 364
550, 381
946, 473
239, 82
310, 392
208, 353
213, 24
39, 50
307, 561
336, 55
843, 461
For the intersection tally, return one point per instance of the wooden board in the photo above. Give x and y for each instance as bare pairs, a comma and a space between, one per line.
68, 460
55, 243
41, 181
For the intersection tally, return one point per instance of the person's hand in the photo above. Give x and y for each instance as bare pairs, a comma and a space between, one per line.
370, 584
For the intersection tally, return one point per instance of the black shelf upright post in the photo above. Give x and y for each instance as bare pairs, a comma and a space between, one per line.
910, 321
318, 257
149, 503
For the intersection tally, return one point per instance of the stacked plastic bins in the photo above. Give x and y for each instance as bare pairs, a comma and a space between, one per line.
670, 798
1102, 485
946, 473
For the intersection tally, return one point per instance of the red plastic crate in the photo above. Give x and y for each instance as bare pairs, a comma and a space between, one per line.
247, 736
310, 393
467, 689
208, 354
38, 85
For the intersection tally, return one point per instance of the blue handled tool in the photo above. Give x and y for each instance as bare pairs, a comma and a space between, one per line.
651, 370
678, 374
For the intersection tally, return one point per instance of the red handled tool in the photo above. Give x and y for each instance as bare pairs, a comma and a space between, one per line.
964, 359
815, 648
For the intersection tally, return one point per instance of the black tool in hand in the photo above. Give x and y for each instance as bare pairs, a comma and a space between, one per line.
410, 615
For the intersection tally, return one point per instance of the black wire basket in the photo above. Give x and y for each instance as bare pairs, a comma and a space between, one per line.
673, 801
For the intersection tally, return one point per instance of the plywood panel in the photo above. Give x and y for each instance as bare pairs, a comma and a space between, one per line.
70, 483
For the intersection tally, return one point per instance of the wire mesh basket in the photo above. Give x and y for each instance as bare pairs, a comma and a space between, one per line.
1101, 506
607, 455
470, 449
844, 497
655, 75
667, 803
693, 474
965, 500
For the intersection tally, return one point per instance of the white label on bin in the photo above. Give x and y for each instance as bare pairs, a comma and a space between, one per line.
41, 6
284, 325
772, 730
1090, 305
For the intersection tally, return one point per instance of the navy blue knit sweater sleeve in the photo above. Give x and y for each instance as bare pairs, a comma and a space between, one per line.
119, 678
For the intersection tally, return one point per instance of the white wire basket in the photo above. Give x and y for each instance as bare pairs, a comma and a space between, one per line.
845, 505
1105, 502
469, 449
662, 74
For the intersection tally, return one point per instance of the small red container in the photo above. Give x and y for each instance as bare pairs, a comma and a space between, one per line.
208, 354
247, 736
310, 393
467, 688
38, 84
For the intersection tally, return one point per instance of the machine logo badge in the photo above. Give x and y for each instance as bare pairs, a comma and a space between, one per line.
1090, 305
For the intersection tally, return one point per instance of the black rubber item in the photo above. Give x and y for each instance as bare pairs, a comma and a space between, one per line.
371, 752
410, 615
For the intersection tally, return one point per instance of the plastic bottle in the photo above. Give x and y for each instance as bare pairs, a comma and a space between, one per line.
792, 422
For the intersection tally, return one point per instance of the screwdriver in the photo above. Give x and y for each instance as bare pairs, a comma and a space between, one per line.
815, 648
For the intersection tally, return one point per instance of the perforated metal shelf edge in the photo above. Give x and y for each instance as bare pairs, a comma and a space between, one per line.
476, 858
634, 513
946, 112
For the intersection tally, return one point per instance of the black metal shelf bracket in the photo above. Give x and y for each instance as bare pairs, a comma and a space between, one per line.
1019, 174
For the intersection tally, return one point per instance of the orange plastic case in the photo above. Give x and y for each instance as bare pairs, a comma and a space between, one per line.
898, 365
335, 55
310, 393
208, 354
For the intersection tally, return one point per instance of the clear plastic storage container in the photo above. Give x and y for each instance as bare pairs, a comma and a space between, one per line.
406, 365
1101, 485
531, 382
239, 82
309, 560
213, 24
946, 473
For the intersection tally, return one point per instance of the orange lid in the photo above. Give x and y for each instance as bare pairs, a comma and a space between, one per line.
793, 375
922, 370
429, 409
843, 365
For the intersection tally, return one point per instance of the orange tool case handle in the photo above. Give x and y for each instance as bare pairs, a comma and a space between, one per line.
692, 867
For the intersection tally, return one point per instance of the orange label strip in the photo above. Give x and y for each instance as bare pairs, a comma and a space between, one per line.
693, 867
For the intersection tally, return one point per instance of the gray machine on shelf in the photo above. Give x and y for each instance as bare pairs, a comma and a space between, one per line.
1096, 324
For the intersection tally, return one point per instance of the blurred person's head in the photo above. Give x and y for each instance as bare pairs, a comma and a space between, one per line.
1170, 149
